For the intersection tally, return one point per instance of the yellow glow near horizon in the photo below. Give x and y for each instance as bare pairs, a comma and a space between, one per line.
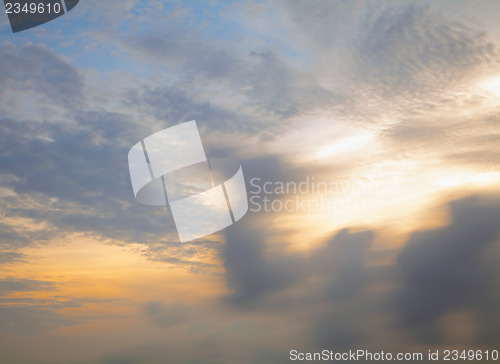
86, 267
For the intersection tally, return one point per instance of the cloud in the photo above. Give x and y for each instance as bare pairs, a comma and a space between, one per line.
192, 255
184, 49
246, 89
165, 316
250, 273
81, 182
25, 318
440, 272
341, 270
394, 69
11, 238
409, 46
443, 270
28, 320
413, 48
11, 257
172, 105
35, 68
343, 262
9, 285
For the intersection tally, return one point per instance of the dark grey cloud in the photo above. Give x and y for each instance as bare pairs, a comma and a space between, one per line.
250, 274
259, 279
341, 267
337, 268
446, 269
451, 269
343, 262
328, 290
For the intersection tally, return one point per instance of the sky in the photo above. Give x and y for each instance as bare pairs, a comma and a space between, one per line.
386, 113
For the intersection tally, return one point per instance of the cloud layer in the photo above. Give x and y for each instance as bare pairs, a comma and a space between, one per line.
391, 93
